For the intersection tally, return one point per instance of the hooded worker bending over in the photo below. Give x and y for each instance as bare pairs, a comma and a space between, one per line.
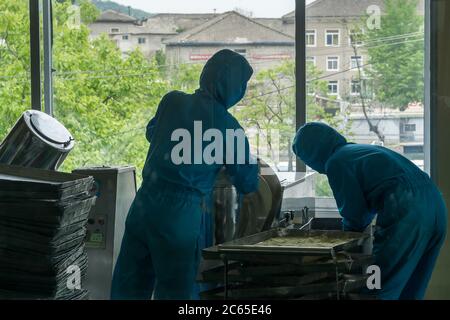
369, 181
161, 246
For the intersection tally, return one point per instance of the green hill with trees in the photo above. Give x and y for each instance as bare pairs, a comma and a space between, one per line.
111, 5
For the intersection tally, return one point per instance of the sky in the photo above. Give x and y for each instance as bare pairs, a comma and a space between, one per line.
259, 8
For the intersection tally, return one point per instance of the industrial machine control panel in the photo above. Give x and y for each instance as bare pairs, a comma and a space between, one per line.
96, 232
115, 188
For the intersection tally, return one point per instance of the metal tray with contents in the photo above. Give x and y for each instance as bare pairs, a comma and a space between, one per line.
295, 241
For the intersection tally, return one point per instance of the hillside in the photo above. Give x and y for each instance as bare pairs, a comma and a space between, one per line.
111, 5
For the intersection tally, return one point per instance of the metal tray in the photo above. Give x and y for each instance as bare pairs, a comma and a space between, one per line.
42, 211
250, 244
29, 183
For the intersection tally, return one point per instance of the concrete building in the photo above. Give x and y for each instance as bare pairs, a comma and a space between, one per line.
263, 45
148, 35
330, 25
328, 32
403, 130
194, 38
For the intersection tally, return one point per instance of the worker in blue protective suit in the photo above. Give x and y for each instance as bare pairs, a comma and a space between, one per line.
167, 223
369, 181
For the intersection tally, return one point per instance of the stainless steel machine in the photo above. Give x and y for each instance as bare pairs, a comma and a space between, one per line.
270, 247
237, 216
115, 189
37, 141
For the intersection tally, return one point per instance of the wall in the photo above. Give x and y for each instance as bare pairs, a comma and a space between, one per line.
98, 28
153, 43
389, 125
440, 132
260, 56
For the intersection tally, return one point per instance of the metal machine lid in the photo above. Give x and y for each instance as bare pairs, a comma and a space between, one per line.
50, 128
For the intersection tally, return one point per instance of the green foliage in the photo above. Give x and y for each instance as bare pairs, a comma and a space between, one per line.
89, 12
104, 100
15, 62
397, 62
270, 105
322, 186
185, 77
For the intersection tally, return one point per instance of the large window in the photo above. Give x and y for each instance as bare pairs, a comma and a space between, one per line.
101, 68
111, 71
15, 92
372, 64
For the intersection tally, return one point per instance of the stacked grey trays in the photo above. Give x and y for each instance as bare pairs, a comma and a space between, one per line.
246, 269
43, 215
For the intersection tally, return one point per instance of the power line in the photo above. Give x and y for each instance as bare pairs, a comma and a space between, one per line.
334, 49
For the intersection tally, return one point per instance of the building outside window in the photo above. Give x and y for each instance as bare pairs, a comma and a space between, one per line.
115, 30
333, 63
125, 37
142, 40
332, 38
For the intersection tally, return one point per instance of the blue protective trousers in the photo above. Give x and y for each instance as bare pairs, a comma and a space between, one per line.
410, 232
160, 252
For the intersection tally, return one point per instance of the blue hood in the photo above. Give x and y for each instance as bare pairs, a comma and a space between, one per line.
315, 143
225, 77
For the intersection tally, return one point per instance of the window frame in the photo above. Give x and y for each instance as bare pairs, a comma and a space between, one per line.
351, 87
356, 67
337, 88
431, 14
314, 60
350, 33
114, 28
332, 31
314, 33
337, 63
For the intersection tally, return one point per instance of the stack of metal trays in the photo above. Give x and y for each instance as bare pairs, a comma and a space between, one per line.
288, 264
43, 216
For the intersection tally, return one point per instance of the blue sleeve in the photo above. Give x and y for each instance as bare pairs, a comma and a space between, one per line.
243, 169
151, 126
349, 197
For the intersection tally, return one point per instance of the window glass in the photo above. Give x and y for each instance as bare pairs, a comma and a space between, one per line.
333, 63
332, 38
310, 38
15, 92
377, 95
113, 68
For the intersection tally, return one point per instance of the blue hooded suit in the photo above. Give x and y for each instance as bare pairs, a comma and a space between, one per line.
167, 224
369, 181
